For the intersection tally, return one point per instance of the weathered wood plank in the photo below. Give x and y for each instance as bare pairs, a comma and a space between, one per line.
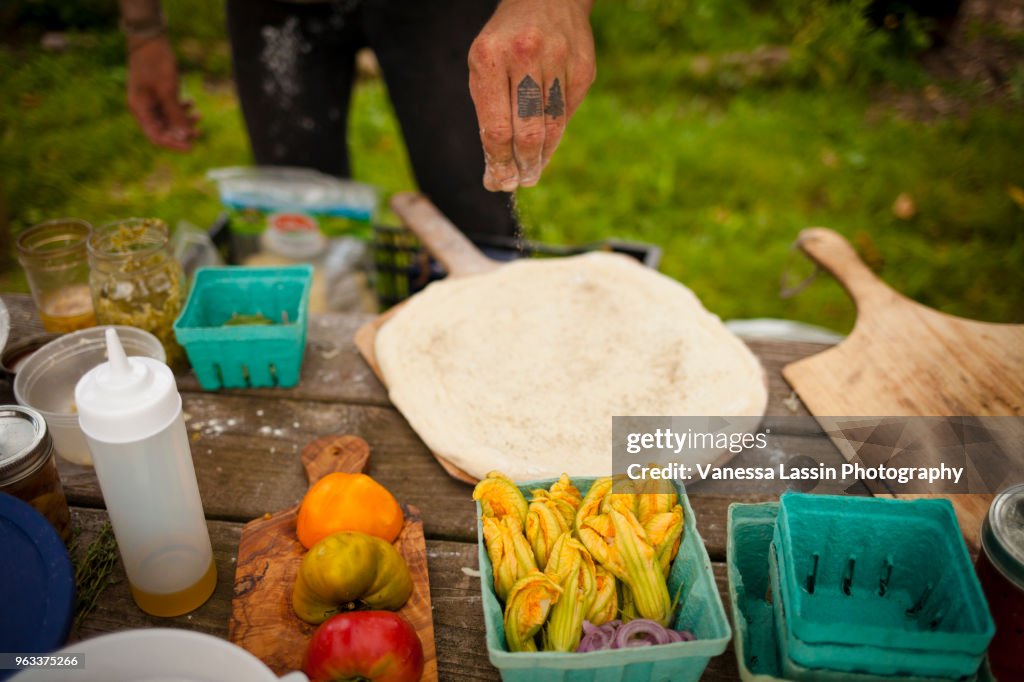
246, 454
117, 611
459, 620
333, 370
454, 589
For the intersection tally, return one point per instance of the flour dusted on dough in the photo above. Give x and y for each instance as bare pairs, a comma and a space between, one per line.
521, 369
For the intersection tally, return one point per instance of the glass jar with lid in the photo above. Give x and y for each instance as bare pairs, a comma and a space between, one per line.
53, 255
28, 469
1000, 569
136, 281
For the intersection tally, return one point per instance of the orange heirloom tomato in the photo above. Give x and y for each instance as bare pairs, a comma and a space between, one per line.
353, 502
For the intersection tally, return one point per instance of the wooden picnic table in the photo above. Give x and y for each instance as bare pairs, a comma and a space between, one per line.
246, 446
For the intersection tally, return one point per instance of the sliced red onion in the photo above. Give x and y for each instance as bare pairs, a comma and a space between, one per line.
640, 632
597, 638
636, 633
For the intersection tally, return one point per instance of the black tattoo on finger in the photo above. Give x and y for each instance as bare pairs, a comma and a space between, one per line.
528, 96
556, 106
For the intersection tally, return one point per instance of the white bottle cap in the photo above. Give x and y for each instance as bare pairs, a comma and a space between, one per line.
126, 399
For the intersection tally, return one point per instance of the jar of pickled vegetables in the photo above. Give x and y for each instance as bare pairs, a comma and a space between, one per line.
136, 281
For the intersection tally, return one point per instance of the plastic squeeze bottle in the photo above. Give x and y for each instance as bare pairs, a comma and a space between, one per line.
130, 412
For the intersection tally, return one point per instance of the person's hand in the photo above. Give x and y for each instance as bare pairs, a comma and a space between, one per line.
529, 69
166, 119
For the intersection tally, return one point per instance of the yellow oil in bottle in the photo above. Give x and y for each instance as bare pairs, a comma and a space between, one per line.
67, 310
177, 603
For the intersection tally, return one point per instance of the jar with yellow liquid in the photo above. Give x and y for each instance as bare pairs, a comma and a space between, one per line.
53, 255
130, 412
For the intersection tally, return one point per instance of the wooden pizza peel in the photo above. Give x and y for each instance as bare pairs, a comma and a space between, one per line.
905, 359
460, 258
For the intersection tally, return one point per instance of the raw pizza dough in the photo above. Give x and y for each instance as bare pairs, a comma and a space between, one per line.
521, 369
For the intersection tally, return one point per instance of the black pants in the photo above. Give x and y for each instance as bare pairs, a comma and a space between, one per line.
294, 69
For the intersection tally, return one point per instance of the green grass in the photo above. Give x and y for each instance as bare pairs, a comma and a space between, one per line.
719, 165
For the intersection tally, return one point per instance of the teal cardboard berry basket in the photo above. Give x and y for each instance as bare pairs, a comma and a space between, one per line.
701, 612
238, 356
750, 531
876, 586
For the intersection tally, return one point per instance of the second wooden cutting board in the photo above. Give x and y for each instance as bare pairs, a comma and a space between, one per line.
905, 359
269, 554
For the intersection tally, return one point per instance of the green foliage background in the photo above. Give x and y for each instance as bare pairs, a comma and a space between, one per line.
692, 138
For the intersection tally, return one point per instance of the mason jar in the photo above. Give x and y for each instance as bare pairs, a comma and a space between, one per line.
53, 255
28, 469
1000, 568
136, 281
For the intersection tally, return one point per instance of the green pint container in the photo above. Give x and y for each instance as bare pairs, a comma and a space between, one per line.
701, 613
750, 528
226, 355
875, 586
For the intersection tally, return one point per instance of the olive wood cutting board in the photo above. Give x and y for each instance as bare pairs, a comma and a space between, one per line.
269, 554
460, 258
905, 359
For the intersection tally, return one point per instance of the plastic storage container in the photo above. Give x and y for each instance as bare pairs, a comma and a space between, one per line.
46, 380
236, 356
702, 613
38, 586
875, 586
130, 412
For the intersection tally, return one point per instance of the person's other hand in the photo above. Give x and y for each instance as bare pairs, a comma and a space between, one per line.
153, 98
529, 69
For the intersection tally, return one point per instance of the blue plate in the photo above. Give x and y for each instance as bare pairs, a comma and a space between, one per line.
37, 583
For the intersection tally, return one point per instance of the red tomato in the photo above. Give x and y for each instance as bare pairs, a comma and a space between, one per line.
378, 646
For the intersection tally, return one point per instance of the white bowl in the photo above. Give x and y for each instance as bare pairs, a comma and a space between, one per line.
46, 380
158, 655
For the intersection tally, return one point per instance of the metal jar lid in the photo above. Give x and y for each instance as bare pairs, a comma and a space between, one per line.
1002, 534
24, 442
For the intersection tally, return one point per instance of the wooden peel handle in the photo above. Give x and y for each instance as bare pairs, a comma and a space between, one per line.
441, 238
831, 251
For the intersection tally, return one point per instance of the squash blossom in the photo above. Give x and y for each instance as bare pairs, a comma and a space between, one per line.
568, 497
573, 569
606, 598
529, 602
598, 535
544, 524
510, 554
664, 531
643, 572
499, 497
591, 503
656, 497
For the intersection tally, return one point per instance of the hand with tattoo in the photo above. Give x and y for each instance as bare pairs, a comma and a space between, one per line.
529, 69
